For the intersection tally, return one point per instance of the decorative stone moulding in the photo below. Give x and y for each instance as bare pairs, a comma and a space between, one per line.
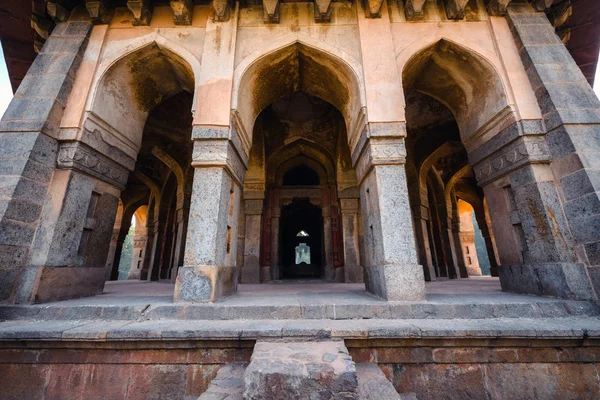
97, 10
413, 9
498, 7
80, 157
522, 151
57, 12
182, 11
141, 10
322, 10
271, 11
455, 9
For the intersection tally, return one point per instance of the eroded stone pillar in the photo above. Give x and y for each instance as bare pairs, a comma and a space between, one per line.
423, 245
252, 240
571, 114
210, 270
392, 271
353, 270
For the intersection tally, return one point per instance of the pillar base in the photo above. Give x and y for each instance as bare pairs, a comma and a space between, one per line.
565, 280
205, 283
46, 284
394, 282
250, 274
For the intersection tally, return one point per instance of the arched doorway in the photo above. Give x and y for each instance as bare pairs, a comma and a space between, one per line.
301, 240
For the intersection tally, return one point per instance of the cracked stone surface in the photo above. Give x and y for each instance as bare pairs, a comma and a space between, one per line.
300, 370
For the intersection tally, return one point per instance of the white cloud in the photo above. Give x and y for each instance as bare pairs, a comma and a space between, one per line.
5, 88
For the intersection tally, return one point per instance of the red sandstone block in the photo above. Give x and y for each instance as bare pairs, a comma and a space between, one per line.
440, 381
25, 381
362, 354
537, 355
199, 377
542, 381
157, 382
92, 381
18, 356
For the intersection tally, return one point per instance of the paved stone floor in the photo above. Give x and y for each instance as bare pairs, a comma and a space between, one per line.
478, 289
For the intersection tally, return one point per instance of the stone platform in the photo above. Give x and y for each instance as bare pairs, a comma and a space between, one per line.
473, 298
468, 340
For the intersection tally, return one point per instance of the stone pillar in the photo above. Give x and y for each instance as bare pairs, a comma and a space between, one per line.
329, 271
181, 229
253, 216
34, 194
275, 265
110, 259
210, 270
353, 270
392, 271
488, 237
423, 245
571, 114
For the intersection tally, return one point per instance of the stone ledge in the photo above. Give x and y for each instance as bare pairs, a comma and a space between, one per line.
364, 309
534, 328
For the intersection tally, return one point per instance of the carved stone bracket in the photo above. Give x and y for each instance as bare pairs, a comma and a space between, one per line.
271, 11
524, 150
413, 9
455, 9
498, 7
81, 157
182, 11
542, 5
322, 10
221, 10
141, 10
373, 8
97, 10
57, 11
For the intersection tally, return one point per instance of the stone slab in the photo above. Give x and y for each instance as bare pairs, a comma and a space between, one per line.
300, 371
493, 328
228, 384
373, 385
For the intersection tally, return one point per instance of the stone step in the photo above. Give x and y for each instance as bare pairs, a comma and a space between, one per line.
372, 309
373, 385
228, 384
303, 370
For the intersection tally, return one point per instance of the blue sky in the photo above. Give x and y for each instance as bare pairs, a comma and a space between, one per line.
6, 91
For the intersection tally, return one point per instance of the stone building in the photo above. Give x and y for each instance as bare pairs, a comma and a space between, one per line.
260, 141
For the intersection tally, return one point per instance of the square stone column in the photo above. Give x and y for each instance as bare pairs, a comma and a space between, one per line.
353, 270
253, 220
210, 271
423, 246
392, 271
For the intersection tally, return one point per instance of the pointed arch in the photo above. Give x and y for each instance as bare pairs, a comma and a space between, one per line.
466, 82
297, 63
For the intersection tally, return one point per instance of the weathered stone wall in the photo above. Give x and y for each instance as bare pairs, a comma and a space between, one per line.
144, 370
486, 369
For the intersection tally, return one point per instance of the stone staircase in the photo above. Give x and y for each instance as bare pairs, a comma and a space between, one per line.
298, 370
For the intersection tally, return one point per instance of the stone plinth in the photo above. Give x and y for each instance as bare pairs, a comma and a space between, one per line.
300, 370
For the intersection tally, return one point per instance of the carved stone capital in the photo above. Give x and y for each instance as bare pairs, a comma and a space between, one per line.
97, 10
271, 11
182, 11
413, 9
57, 11
322, 10
380, 151
455, 9
219, 153
81, 157
141, 11
522, 151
